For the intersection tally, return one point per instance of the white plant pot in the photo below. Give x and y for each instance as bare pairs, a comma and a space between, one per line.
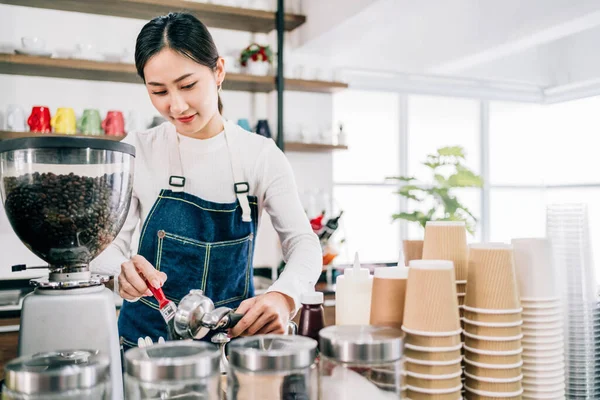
260, 68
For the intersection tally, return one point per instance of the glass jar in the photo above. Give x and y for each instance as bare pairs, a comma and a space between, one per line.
272, 367
60, 375
361, 362
174, 370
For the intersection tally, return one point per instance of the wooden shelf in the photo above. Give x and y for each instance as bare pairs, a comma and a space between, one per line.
234, 18
16, 64
4, 135
289, 146
312, 147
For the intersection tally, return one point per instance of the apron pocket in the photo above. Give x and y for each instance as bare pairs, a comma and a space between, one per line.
221, 269
230, 271
184, 261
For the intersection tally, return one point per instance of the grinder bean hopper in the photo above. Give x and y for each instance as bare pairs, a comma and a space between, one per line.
67, 199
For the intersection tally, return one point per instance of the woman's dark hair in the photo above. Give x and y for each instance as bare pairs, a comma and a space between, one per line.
180, 32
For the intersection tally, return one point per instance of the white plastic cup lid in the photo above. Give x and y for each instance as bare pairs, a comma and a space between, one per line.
311, 298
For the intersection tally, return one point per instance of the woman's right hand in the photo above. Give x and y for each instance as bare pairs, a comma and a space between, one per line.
131, 278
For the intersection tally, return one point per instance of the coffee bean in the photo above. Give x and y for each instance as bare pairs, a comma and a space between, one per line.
54, 213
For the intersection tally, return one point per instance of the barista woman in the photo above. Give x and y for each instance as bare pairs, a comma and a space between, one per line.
201, 184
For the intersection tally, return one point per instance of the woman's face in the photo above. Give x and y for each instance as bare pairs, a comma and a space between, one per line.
183, 91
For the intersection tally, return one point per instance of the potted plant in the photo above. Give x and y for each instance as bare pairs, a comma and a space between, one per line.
437, 202
256, 59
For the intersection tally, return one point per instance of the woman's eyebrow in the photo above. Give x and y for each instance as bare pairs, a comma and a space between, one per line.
182, 77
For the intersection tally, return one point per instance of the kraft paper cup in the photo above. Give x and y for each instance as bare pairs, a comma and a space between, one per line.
432, 339
447, 240
536, 274
481, 394
499, 386
491, 316
493, 357
418, 367
413, 250
388, 296
423, 381
511, 324
432, 353
497, 371
494, 331
505, 343
438, 310
492, 282
461, 287
415, 393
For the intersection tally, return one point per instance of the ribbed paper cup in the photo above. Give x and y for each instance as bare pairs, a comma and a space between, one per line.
543, 390
423, 381
536, 368
506, 371
491, 316
432, 353
542, 314
541, 333
493, 357
492, 330
438, 310
505, 343
542, 341
492, 282
461, 299
544, 353
461, 287
535, 382
415, 393
545, 375
413, 250
541, 304
535, 272
543, 325
419, 367
447, 240
388, 295
472, 394
424, 339
495, 387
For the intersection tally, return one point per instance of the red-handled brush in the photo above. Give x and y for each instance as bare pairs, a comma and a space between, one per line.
166, 307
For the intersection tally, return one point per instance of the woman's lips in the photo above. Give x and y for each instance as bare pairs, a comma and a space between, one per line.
185, 120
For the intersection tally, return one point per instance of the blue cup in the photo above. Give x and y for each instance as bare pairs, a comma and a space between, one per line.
262, 128
244, 124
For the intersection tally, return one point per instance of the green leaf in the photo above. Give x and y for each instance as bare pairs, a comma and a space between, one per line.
464, 177
408, 192
452, 151
441, 179
401, 178
415, 216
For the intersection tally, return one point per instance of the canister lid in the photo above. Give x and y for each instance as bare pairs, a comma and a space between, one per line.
311, 298
359, 343
172, 361
56, 372
264, 353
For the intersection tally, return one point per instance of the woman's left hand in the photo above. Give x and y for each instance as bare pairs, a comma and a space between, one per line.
266, 313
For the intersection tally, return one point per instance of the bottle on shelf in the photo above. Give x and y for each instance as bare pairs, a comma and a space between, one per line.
329, 228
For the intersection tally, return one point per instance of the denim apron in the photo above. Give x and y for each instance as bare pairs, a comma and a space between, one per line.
199, 245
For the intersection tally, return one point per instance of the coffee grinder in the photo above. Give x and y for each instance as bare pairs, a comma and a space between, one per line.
67, 199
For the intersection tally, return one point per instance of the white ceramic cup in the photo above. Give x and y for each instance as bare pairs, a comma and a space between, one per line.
15, 119
33, 43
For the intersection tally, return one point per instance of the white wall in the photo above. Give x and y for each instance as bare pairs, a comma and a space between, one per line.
113, 35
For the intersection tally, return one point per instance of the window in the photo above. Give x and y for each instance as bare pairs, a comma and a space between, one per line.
371, 121
435, 122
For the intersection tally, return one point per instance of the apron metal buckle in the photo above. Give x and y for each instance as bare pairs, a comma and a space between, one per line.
177, 181
244, 187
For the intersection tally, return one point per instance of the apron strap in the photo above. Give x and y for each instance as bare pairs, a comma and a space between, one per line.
241, 187
176, 178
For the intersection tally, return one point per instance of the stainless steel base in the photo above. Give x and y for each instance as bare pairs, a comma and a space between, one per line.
73, 319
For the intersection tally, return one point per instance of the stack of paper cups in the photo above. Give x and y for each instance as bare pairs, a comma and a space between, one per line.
387, 298
543, 343
413, 250
432, 326
492, 325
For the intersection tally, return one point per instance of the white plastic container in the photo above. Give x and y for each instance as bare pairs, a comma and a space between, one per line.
353, 296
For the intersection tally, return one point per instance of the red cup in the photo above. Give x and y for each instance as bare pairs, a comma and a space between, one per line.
39, 120
114, 124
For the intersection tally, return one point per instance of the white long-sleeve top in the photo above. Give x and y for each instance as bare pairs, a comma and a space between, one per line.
207, 168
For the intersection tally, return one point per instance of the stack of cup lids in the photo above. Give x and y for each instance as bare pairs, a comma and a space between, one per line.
568, 231
492, 325
432, 326
543, 341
